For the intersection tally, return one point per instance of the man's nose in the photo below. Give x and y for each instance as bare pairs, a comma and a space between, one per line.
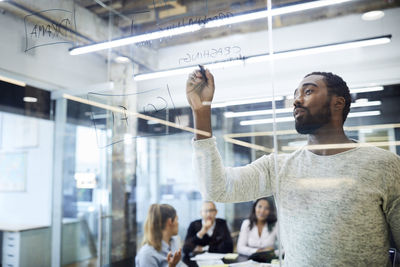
298, 100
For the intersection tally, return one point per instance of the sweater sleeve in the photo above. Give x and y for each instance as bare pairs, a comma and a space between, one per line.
242, 247
236, 184
392, 207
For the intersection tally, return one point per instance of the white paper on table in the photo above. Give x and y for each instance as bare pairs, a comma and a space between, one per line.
208, 256
249, 263
209, 262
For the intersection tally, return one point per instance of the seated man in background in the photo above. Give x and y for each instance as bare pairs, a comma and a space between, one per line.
208, 234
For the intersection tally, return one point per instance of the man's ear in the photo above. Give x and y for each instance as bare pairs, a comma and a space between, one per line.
339, 102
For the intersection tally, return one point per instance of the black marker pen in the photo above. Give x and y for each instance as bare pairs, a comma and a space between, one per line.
203, 72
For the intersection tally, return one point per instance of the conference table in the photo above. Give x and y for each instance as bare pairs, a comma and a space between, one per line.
219, 259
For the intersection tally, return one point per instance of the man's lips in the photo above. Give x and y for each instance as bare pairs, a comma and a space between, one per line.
298, 112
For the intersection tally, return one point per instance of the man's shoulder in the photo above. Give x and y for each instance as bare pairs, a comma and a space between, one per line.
380, 156
220, 221
196, 222
380, 152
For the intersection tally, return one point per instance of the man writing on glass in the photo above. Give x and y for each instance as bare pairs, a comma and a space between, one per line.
339, 204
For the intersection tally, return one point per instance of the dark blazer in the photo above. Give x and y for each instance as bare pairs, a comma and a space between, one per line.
220, 241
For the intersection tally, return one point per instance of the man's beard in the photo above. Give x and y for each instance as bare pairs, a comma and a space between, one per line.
308, 124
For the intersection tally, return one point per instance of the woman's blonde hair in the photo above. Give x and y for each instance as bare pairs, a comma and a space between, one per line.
155, 222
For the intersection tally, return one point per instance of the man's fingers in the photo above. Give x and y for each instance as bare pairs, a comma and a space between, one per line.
210, 78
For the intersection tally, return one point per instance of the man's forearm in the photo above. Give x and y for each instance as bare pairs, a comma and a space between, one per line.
202, 121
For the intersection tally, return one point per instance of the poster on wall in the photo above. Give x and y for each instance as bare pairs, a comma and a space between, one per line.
13, 167
19, 132
1, 129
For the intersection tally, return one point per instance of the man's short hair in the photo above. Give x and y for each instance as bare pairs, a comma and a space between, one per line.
336, 85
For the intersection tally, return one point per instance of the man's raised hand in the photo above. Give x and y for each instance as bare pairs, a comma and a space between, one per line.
200, 93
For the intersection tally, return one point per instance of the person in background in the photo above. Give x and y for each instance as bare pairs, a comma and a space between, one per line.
259, 232
208, 234
160, 246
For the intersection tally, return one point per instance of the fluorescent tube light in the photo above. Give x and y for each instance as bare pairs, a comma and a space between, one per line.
274, 12
290, 110
245, 101
186, 70
366, 89
287, 119
305, 6
321, 49
278, 55
195, 27
365, 104
122, 59
134, 39
257, 112
9, 80
161, 74
373, 15
364, 114
237, 19
266, 121
30, 99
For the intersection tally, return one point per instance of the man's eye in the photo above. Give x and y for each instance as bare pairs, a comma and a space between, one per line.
307, 92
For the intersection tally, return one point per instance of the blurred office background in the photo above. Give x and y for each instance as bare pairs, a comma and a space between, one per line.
90, 138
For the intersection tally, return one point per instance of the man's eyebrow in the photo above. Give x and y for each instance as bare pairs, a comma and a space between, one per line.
307, 84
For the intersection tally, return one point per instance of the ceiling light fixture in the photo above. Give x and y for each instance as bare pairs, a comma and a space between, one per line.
364, 114
322, 49
274, 12
186, 70
365, 104
30, 99
257, 112
245, 101
265, 57
288, 119
195, 27
373, 15
366, 89
266, 121
133, 39
357, 104
122, 59
161, 74
13, 81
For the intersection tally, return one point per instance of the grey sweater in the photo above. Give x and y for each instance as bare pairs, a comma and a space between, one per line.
334, 210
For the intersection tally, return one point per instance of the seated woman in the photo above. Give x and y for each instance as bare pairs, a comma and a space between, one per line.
259, 232
160, 247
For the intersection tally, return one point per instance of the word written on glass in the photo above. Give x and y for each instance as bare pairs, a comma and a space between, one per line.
158, 103
49, 32
214, 53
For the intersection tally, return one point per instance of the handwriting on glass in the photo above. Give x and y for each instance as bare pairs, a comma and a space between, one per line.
214, 53
49, 32
197, 20
53, 30
157, 103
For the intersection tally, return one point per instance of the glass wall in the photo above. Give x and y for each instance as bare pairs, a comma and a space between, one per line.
95, 125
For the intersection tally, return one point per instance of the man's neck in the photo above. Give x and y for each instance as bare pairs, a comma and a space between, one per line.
328, 135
